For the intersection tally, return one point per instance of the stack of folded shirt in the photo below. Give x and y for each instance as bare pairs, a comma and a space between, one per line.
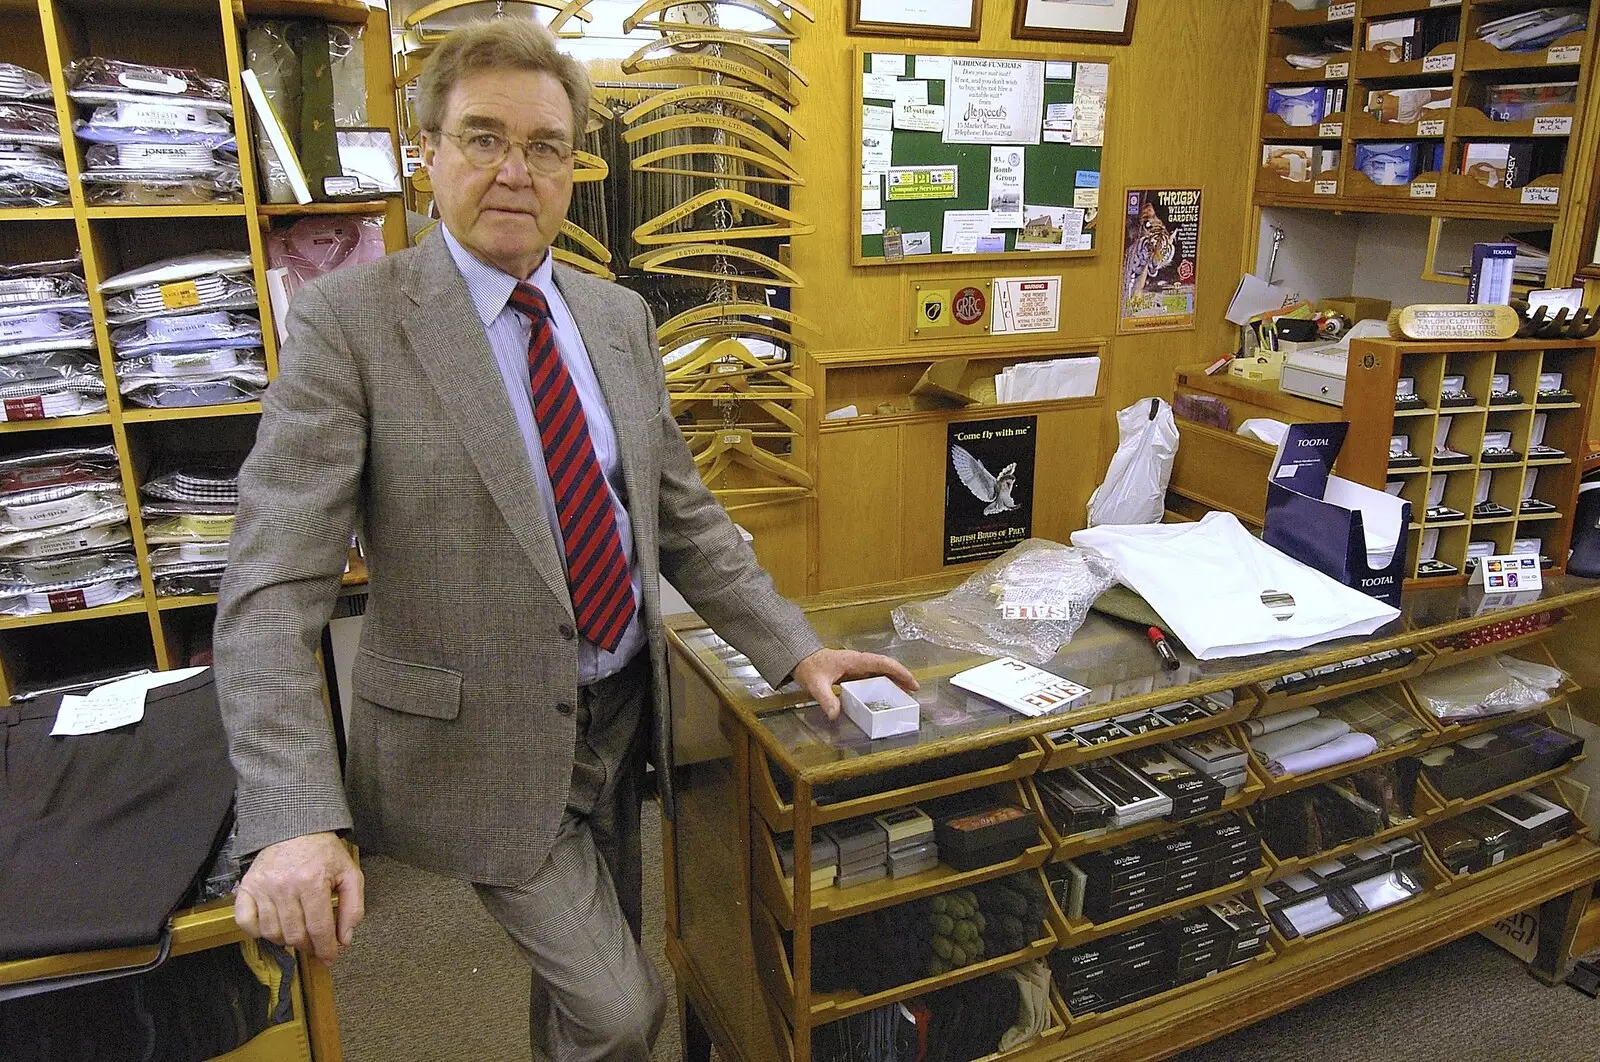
64, 540
154, 134
1376, 713
48, 364
188, 515
1307, 745
175, 341
32, 172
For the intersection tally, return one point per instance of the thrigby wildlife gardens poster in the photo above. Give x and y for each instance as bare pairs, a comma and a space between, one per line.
1160, 259
988, 487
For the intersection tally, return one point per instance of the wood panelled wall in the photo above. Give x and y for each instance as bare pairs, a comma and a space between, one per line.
1182, 112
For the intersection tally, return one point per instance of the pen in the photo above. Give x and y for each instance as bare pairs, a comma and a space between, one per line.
1158, 640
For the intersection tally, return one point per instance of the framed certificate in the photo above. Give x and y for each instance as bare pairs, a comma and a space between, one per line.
1093, 21
956, 20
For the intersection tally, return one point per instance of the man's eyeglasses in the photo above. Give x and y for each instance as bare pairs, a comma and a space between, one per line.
488, 151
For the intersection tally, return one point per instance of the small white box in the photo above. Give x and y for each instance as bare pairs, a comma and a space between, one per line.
879, 707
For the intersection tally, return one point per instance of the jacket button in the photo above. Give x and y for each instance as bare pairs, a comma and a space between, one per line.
564, 708
567, 632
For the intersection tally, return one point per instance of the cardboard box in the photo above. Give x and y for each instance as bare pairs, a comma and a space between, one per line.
879, 707
1350, 532
1358, 307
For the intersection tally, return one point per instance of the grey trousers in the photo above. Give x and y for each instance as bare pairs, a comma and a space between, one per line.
595, 994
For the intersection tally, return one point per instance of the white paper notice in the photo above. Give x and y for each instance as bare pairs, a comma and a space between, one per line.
919, 117
1027, 304
878, 86
910, 92
888, 64
112, 705
872, 222
932, 67
994, 101
1057, 136
1005, 186
1089, 104
1058, 71
918, 242
1049, 228
1087, 198
1058, 116
872, 191
876, 117
968, 224
876, 147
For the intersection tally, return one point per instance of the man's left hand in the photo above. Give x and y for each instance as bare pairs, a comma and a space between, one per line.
819, 671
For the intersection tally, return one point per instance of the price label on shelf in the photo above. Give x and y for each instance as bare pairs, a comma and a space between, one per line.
1331, 129
180, 294
1326, 188
1336, 70
1572, 53
1552, 126
1439, 64
1433, 127
1425, 190
1339, 12
1540, 195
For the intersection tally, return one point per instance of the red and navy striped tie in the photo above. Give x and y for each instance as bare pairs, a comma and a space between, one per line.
597, 570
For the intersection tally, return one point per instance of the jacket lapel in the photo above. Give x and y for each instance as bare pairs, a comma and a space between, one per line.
461, 367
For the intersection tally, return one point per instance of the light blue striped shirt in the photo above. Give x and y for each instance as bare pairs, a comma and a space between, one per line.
507, 331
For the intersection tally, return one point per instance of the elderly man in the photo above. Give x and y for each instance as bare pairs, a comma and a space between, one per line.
500, 427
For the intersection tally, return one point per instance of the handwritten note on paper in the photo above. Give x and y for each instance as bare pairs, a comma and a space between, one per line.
112, 705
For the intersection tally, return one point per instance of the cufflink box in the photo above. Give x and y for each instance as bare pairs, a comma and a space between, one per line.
1247, 927
1228, 834
1116, 868
1293, 888
1498, 840
1233, 781
1188, 932
1235, 867
1312, 915
856, 838
1184, 712
1210, 754
1537, 821
1136, 723
1072, 806
1089, 735
1551, 746
985, 836
1104, 960
905, 826
1456, 846
1191, 792
870, 872
880, 707
1132, 798
824, 853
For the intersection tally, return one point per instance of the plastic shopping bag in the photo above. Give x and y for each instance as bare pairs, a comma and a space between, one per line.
1135, 487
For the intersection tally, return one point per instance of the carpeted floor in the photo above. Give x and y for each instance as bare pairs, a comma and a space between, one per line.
433, 979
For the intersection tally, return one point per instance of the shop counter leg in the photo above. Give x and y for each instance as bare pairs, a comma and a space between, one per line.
1558, 928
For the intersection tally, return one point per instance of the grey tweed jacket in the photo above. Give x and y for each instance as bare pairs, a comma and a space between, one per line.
389, 412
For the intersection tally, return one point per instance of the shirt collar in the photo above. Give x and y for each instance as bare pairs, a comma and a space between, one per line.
489, 287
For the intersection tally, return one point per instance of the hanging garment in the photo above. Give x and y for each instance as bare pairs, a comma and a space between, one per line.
1226, 593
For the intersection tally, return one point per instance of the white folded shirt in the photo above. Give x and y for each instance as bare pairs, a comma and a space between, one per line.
1207, 580
1298, 738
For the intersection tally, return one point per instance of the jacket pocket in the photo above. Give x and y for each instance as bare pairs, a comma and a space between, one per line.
416, 689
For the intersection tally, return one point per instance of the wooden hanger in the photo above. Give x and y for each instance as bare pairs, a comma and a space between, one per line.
599, 115
784, 222
564, 13
681, 403
723, 359
780, 121
715, 64
588, 167
727, 330
770, 58
578, 261
736, 447
775, 384
772, 12
720, 123
662, 259
713, 311
774, 171
581, 236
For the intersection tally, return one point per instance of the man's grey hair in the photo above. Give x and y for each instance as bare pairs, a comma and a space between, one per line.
500, 44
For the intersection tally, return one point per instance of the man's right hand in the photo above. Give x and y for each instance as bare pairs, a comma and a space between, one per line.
287, 895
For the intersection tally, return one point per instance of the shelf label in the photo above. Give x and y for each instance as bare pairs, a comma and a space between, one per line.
1552, 126
1425, 190
1572, 53
179, 294
1439, 64
1331, 129
1433, 127
1336, 70
1444, 3
1338, 12
1326, 188
1540, 195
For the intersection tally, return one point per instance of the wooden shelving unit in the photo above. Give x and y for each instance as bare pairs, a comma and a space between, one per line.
747, 980
152, 631
1464, 65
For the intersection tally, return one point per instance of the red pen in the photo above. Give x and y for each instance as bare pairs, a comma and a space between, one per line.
1158, 640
